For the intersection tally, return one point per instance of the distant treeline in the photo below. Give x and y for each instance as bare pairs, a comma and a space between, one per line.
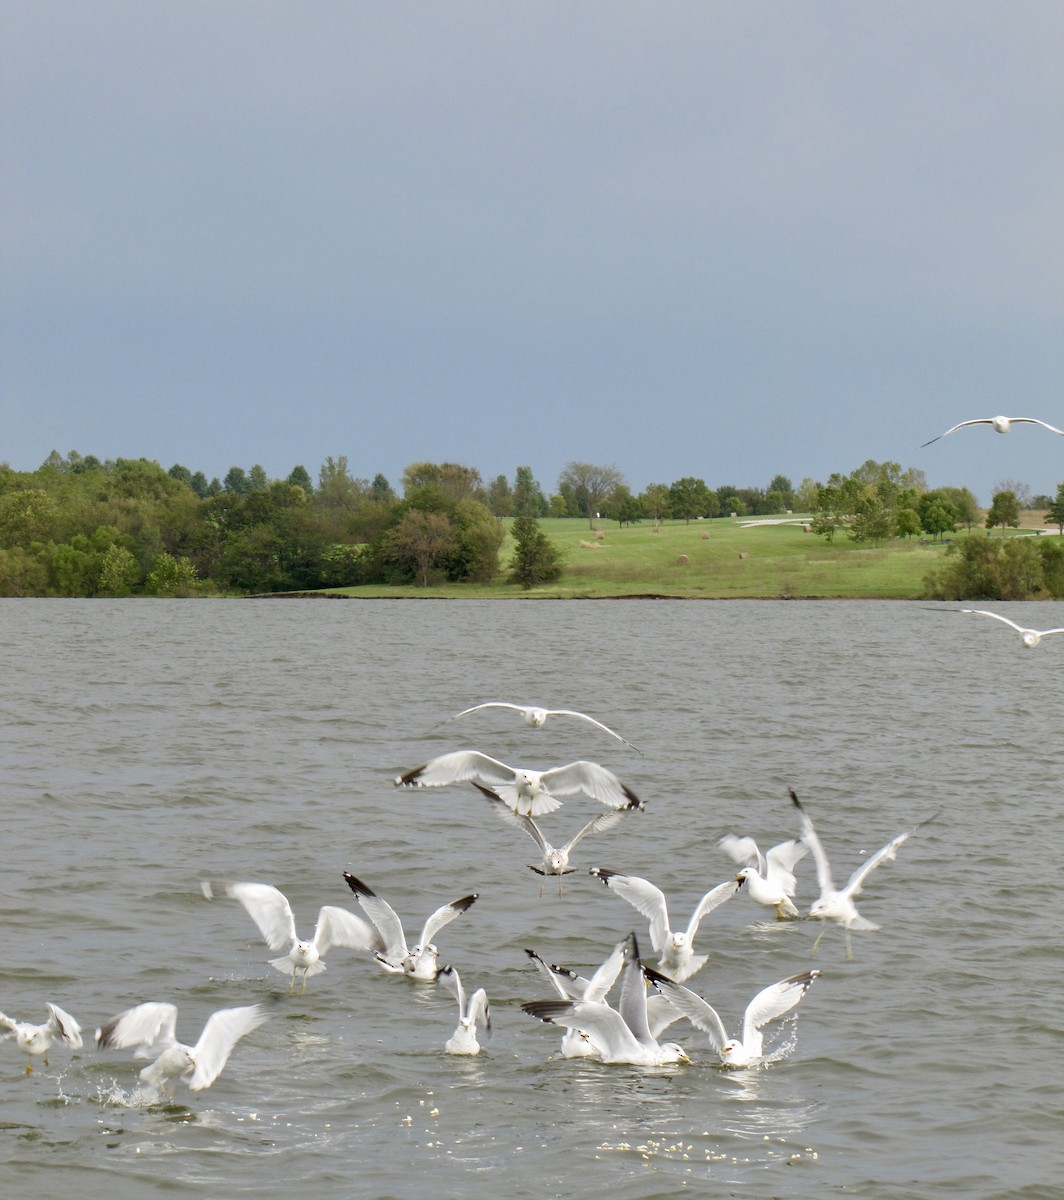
79, 526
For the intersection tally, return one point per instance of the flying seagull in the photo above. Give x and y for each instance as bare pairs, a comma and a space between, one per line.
770, 1004
622, 1034
537, 717
471, 1011
37, 1040
388, 942
1029, 637
1000, 424
271, 912
837, 904
529, 793
151, 1027
768, 878
555, 859
678, 958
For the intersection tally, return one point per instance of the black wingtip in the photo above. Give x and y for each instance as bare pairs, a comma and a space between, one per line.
546, 1010
795, 801
410, 778
633, 799
603, 873
487, 792
465, 902
656, 977
357, 886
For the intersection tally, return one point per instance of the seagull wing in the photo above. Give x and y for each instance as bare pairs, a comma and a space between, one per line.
982, 612
714, 898
598, 986
151, 1026
743, 851
569, 712
460, 766
566, 983
809, 836
604, 1025
590, 779
781, 861
774, 1002
598, 824
266, 906
444, 916
888, 852
338, 927
690, 1005
221, 1033
633, 1002
1036, 421
391, 941
451, 980
644, 897
503, 810
975, 421
64, 1026
660, 1014
490, 704
480, 1011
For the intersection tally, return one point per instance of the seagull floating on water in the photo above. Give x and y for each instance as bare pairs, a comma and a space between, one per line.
37, 1040
470, 1012
271, 912
770, 1004
388, 942
1029, 637
837, 904
769, 878
537, 717
1000, 424
619, 1035
555, 859
678, 958
529, 793
151, 1027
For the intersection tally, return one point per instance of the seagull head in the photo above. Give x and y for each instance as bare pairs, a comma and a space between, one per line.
733, 1054
672, 1052
1031, 638
1001, 424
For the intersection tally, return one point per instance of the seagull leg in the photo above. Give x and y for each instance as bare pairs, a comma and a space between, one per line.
849, 945
292, 982
29, 1068
823, 930
303, 989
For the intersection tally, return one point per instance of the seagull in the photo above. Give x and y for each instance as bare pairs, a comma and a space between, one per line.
537, 718
620, 1035
771, 881
271, 912
529, 793
1000, 424
151, 1028
388, 942
1029, 637
36, 1040
770, 1004
555, 860
676, 949
837, 905
464, 1038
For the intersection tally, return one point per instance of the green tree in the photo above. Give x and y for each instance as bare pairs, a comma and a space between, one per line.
1004, 511
654, 501
452, 480
258, 480
871, 518
529, 500
964, 505
299, 477
419, 542
500, 497
536, 559
782, 485
589, 485
621, 506
937, 515
907, 523
171, 576
119, 571
1055, 516
236, 481
688, 498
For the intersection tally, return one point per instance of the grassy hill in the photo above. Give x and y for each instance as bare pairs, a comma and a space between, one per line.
715, 559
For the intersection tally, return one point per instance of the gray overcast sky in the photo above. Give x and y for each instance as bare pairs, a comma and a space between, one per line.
723, 239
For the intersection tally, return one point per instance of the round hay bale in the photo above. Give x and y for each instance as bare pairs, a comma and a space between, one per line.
744, 553
704, 537
682, 560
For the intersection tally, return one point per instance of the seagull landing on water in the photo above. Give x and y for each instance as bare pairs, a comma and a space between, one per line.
37, 1040
471, 1012
767, 1006
835, 904
678, 958
271, 912
388, 942
768, 879
528, 793
1000, 425
537, 718
151, 1027
618, 1035
1029, 637
555, 859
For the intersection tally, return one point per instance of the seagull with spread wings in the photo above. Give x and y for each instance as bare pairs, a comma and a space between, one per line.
37, 1040
1029, 637
1000, 425
537, 717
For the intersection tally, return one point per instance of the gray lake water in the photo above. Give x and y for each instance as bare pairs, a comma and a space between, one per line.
149, 745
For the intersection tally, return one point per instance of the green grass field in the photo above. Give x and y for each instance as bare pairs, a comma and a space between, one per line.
725, 560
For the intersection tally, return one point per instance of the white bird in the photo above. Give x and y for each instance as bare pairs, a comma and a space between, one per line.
537, 718
271, 912
388, 941
1029, 637
555, 859
470, 1012
768, 879
152, 1028
837, 904
37, 1040
770, 1004
622, 1034
678, 959
530, 793
1000, 424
